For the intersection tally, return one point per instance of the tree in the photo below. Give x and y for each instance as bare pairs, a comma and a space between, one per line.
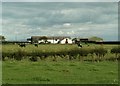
2, 38
95, 38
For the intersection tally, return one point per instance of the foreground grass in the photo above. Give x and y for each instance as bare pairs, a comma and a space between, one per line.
61, 72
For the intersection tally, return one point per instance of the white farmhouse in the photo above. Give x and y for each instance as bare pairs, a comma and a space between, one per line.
51, 39
66, 41
41, 41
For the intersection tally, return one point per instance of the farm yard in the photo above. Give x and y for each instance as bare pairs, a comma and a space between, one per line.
60, 64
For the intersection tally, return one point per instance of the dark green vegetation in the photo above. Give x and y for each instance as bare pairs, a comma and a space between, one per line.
70, 52
116, 51
60, 64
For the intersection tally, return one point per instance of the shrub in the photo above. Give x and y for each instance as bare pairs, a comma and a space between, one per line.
82, 53
35, 53
10, 55
73, 54
33, 58
3, 55
18, 55
116, 51
99, 52
41, 55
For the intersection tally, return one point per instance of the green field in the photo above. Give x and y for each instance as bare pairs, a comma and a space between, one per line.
61, 71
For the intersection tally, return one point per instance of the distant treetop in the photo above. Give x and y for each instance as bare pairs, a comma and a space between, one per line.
94, 38
2, 38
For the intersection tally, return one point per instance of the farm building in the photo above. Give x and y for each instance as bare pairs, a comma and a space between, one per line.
91, 39
75, 40
51, 39
29, 40
83, 39
66, 40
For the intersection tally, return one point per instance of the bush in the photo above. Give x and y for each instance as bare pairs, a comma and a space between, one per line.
10, 55
3, 56
41, 55
33, 58
35, 53
19, 54
83, 52
72, 54
99, 52
116, 51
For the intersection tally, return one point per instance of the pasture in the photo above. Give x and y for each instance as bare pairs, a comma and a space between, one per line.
62, 72
54, 66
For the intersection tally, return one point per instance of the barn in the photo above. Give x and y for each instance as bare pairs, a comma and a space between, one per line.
66, 41
51, 39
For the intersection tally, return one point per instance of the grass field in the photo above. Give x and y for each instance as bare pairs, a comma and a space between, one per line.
62, 71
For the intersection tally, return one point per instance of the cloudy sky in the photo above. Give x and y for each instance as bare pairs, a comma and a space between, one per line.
20, 20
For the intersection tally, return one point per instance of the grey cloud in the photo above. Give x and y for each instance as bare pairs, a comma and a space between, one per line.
49, 18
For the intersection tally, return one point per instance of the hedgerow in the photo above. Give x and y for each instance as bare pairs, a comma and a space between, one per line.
75, 53
100, 53
19, 55
116, 51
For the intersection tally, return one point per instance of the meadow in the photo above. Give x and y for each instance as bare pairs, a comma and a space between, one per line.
60, 64
62, 72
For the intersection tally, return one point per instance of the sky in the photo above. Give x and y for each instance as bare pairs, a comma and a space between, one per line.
60, 0
21, 20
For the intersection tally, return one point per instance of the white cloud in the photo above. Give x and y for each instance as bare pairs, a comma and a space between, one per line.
66, 24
